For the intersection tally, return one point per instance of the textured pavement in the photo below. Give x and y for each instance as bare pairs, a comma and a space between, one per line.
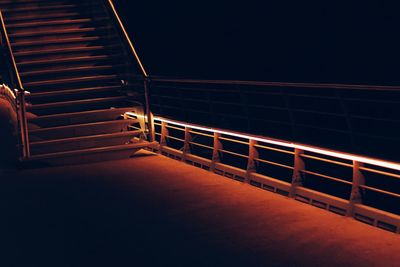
154, 211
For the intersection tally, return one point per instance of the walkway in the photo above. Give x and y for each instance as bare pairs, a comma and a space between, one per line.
154, 211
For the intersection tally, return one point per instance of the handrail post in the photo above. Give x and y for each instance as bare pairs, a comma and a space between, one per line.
251, 162
356, 195
163, 138
217, 146
186, 145
23, 124
20, 125
149, 115
297, 176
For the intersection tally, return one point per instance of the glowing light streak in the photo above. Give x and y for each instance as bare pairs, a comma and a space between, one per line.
322, 151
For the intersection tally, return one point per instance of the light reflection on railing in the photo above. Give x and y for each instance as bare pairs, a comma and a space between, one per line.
189, 136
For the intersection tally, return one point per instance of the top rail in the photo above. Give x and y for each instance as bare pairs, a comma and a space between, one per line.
278, 84
128, 39
322, 151
18, 86
17, 77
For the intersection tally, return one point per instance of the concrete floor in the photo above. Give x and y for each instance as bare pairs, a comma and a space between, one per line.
154, 211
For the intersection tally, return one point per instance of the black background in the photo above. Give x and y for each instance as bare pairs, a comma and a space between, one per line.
267, 40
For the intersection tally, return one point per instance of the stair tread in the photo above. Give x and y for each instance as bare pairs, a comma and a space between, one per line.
64, 70
138, 145
51, 32
60, 50
65, 60
76, 126
77, 102
38, 8
74, 91
13, 2
84, 138
57, 41
47, 23
68, 15
70, 80
81, 113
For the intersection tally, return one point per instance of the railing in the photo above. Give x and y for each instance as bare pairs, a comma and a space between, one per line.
20, 92
346, 182
358, 118
146, 79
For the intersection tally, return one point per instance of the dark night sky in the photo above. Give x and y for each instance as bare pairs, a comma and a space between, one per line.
274, 41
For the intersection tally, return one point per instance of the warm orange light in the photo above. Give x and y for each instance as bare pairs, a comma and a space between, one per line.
326, 152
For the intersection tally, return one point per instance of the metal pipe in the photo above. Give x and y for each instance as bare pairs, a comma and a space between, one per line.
150, 121
280, 84
127, 38
16, 79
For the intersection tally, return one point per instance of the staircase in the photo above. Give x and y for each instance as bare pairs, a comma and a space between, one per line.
74, 64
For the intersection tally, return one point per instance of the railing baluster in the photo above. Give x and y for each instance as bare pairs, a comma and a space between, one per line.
186, 144
356, 191
217, 147
251, 163
297, 176
149, 114
25, 124
163, 138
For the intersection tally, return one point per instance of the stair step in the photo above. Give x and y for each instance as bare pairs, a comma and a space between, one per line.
58, 41
83, 142
79, 117
41, 8
85, 138
68, 70
71, 80
18, 2
76, 103
79, 154
75, 91
50, 32
37, 17
41, 52
25, 25
74, 97
85, 129
64, 60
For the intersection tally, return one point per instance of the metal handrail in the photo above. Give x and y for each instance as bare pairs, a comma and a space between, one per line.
127, 38
278, 84
150, 121
17, 83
